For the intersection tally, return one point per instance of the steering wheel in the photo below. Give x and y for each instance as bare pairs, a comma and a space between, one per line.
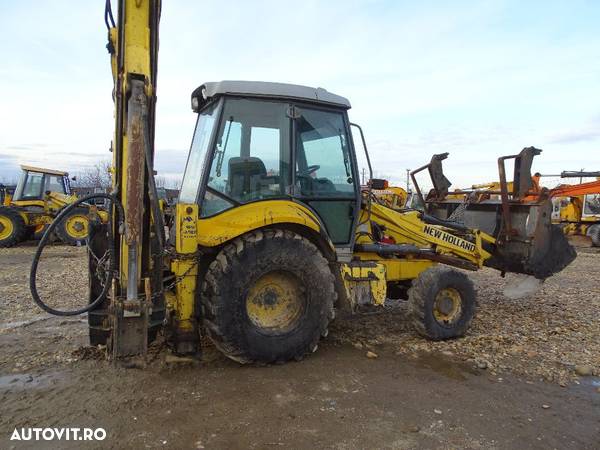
308, 171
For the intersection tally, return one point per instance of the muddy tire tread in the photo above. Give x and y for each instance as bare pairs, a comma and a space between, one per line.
240, 259
420, 299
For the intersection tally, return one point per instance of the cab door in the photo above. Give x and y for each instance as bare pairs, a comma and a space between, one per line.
325, 170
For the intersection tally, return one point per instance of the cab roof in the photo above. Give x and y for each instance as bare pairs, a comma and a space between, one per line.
267, 89
40, 170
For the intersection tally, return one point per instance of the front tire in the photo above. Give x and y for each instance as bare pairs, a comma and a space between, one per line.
12, 227
442, 303
74, 228
268, 297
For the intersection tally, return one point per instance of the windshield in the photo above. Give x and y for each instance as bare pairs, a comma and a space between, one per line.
200, 143
30, 186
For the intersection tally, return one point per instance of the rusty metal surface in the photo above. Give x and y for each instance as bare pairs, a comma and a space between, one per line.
536, 247
522, 184
507, 231
436, 173
135, 164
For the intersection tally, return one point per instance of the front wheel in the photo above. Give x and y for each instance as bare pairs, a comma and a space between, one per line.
442, 303
74, 227
268, 297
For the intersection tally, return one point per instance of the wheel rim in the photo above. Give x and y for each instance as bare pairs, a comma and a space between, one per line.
276, 302
6, 227
77, 226
447, 307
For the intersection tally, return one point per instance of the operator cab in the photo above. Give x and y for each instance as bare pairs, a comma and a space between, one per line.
258, 141
34, 182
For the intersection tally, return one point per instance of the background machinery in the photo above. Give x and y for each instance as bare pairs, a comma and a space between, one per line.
38, 197
577, 206
393, 197
272, 232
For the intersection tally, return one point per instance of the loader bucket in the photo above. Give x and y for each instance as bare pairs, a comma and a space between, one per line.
534, 247
526, 240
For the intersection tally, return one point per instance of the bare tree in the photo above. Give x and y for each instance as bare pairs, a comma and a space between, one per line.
96, 176
8, 180
161, 181
167, 183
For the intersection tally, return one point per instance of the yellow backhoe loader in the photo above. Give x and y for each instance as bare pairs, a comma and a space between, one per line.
272, 233
38, 197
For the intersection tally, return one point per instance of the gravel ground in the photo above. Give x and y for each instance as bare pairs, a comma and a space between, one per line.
553, 334
62, 280
481, 391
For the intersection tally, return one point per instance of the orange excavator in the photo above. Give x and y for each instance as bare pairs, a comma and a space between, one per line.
576, 207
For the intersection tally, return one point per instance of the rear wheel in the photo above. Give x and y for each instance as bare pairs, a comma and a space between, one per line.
268, 297
442, 303
74, 228
12, 227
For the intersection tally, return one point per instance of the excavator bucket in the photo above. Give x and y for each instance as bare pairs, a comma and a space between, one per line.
518, 218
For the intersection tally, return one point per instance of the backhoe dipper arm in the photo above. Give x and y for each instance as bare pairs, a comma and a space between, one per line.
133, 46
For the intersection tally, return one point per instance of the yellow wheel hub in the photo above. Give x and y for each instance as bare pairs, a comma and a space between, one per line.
77, 226
6, 227
275, 302
447, 307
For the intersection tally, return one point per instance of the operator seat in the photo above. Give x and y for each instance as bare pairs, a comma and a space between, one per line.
245, 175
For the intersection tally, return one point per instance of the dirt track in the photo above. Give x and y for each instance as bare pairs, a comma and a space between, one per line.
416, 394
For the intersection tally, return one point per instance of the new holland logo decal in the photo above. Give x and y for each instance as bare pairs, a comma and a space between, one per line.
449, 238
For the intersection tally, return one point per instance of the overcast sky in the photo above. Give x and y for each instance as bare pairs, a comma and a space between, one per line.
476, 79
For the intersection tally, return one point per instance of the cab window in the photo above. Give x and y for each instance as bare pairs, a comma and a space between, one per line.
55, 183
33, 185
323, 164
251, 157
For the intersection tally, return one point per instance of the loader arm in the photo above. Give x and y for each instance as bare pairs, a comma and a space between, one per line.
459, 247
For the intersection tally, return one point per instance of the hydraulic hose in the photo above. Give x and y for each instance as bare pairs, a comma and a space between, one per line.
111, 255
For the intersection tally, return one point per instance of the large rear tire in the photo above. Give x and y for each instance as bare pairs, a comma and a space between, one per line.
268, 297
74, 228
442, 303
12, 227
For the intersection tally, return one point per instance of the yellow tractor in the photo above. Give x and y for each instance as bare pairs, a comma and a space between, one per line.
38, 197
272, 233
